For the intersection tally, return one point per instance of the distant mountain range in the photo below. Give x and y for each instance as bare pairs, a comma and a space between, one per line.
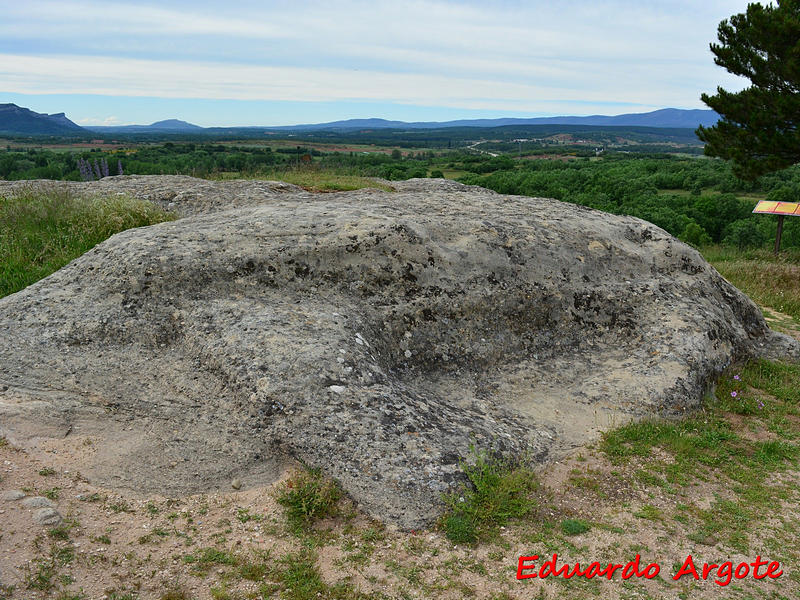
22, 121
666, 117
15, 119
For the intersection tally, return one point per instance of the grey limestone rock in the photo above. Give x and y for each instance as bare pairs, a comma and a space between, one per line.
38, 502
48, 517
13, 495
375, 335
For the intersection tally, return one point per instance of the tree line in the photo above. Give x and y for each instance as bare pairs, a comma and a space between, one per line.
698, 200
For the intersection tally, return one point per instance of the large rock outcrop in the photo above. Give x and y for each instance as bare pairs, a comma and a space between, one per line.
373, 334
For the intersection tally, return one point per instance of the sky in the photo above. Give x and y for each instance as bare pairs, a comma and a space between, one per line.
240, 62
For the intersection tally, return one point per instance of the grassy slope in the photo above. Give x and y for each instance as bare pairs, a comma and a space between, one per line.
770, 281
42, 232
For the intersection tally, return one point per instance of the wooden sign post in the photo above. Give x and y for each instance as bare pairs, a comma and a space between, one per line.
769, 207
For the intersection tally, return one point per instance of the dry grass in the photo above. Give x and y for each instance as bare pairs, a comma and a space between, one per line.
314, 179
769, 280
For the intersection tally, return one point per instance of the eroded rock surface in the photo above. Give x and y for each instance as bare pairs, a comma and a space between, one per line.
373, 334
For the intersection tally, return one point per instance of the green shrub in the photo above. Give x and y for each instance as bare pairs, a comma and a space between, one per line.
743, 234
308, 496
460, 529
695, 235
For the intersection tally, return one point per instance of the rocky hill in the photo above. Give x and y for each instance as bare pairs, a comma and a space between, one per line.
23, 121
376, 335
166, 126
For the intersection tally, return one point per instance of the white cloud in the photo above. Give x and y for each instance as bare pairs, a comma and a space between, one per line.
469, 55
106, 121
176, 79
65, 19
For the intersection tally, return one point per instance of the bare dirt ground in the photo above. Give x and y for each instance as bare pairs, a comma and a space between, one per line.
123, 545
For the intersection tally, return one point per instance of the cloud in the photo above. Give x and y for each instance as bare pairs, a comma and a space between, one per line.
66, 19
183, 79
106, 121
501, 55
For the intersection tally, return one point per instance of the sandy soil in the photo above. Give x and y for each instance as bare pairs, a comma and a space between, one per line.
133, 546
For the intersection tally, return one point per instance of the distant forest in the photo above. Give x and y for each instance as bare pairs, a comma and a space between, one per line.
694, 198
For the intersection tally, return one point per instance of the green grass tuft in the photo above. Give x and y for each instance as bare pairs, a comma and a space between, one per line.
498, 491
574, 526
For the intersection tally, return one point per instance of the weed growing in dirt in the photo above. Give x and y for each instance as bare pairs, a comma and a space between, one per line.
59, 533
497, 490
308, 496
40, 576
52, 493
574, 526
119, 506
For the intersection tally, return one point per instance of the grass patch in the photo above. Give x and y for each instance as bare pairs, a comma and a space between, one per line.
314, 179
498, 490
295, 576
60, 533
243, 515
307, 497
299, 579
649, 512
120, 506
175, 594
205, 558
257, 568
767, 279
39, 575
574, 526
42, 229
713, 445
